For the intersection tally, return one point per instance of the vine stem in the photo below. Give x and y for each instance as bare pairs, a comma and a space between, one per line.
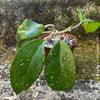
46, 32
77, 25
70, 28
49, 25
65, 30
58, 32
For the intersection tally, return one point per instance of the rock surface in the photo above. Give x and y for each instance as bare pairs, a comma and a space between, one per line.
41, 91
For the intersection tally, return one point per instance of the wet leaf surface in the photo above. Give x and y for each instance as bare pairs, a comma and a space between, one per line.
85, 57
27, 65
60, 70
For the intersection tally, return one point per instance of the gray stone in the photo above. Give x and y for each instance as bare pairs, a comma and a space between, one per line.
44, 92
84, 96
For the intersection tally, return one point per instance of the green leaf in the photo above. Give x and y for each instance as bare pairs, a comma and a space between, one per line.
60, 68
19, 45
82, 17
89, 25
27, 65
29, 30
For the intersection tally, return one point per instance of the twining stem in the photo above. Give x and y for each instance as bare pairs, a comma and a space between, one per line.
49, 25
58, 32
46, 38
46, 32
77, 25
70, 28
65, 30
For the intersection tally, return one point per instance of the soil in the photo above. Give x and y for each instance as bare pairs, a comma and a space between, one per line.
67, 39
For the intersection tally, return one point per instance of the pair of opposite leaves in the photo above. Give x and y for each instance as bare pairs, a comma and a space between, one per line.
28, 63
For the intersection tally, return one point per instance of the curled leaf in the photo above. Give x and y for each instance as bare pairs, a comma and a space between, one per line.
28, 30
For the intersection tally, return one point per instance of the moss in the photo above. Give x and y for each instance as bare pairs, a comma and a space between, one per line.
93, 12
97, 2
86, 62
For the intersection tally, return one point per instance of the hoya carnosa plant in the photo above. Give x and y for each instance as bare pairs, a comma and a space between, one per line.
89, 25
60, 69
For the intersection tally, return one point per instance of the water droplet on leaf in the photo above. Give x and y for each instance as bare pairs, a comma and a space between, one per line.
28, 59
62, 65
50, 54
16, 84
21, 59
51, 77
22, 64
65, 75
58, 77
71, 62
52, 84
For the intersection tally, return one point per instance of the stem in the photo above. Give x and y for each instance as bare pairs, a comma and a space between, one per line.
49, 25
77, 25
66, 30
46, 38
46, 32
53, 34
70, 28
63, 31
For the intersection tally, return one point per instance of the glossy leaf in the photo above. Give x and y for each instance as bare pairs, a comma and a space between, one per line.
89, 25
60, 67
28, 30
27, 65
82, 17
19, 45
